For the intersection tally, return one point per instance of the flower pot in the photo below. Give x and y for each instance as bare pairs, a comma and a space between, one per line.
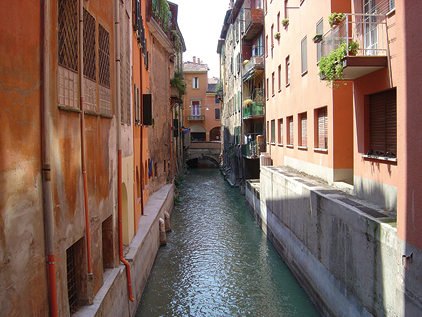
317, 38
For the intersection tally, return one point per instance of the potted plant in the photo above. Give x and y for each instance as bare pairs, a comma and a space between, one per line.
331, 66
285, 22
353, 47
247, 103
335, 18
277, 35
317, 38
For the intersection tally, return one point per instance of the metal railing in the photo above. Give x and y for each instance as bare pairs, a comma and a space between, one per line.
254, 145
196, 118
254, 62
368, 30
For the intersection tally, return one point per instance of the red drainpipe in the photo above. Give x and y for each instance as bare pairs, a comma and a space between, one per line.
129, 283
46, 159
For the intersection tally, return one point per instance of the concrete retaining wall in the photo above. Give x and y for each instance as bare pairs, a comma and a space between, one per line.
345, 260
112, 298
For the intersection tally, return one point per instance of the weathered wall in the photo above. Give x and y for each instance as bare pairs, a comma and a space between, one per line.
347, 261
112, 299
159, 135
22, 249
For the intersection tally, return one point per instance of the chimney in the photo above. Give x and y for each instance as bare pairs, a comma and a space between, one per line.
194, 59
199, 60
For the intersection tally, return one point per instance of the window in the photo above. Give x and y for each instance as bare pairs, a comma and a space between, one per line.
195, 108
67, 33
195, 83
287, 70
268, 131
268, 83
104, 55
290, 131
272, 40
286, 13
235, 103
278, 22
319, 30
273, 84
217, 114
279, 78
280, 132
321, 134
272, 131
89, 46
392, 4
303, 130
266, 46
383, 123
74, 264
304, 57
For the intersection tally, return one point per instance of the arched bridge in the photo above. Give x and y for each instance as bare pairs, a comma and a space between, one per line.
204, 150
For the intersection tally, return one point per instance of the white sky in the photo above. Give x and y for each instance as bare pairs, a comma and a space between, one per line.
200, 22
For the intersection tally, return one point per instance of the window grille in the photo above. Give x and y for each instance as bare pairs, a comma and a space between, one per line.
104, 55
272, 131
68, 34
89, 46
304, 53
290, 130
280, 131
72, 290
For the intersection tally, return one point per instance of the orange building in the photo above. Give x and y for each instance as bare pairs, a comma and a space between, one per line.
201, 106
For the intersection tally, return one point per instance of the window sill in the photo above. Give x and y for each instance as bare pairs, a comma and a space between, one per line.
66, 108
273, 95
321, 150
304, 73
280, 144
389, 13
379, 158
272, 143
303, 148
279, 90
290, 146
288, 85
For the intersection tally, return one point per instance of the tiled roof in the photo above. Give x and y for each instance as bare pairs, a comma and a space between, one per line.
211, 87
194, 67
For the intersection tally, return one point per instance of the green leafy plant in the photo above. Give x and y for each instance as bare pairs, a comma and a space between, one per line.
285, 22
277, 35
178, 82
335, 18
247, 103
317, 38
176, 40
331, 66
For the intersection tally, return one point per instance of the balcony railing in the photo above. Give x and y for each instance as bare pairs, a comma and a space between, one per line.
255, 109
256, 63
196, 118
369, 31
254, 22
254, 145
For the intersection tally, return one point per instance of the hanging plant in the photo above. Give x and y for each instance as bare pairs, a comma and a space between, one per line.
247, 103
317, 38
178, 82
285, 22
331, 66
335, 18
277, 35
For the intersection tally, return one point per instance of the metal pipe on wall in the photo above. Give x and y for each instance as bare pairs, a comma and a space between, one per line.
81, 91
46, 161
119, 151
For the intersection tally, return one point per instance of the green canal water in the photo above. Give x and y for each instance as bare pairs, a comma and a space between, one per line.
217, 261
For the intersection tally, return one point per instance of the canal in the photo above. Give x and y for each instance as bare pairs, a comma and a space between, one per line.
217, 261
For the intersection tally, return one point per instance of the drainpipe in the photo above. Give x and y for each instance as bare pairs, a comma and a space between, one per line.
171, 131
46, 159
141, 126
119, 166
81, 77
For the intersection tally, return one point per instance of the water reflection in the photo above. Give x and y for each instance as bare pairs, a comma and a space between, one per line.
217, 261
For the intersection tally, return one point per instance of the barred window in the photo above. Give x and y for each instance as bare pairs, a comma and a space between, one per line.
68, 34
104, 55
89, 46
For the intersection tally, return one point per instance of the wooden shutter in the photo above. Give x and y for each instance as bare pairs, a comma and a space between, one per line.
322, 128
304, 129
383, 122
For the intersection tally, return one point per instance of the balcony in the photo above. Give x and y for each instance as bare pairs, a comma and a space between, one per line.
254, 23
255, 110
370, 32
253, 67
254, 146
196, 118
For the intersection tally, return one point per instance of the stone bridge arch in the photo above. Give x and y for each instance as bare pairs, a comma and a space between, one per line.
204, 150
